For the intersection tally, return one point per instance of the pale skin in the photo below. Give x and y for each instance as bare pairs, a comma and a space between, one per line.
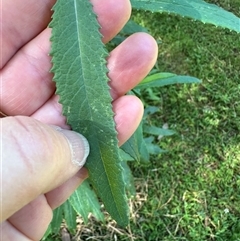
38, 176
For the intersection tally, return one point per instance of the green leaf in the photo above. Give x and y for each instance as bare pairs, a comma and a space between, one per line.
84, 201
136, 147
128, 179
80, 73
47, 233
125, 156
153, 130
132, 27
163, 79
57, 220
149, 110
69, 216
196, 9
49, 239
153, 149
129, 28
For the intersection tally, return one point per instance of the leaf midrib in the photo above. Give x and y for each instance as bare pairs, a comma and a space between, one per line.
80, 51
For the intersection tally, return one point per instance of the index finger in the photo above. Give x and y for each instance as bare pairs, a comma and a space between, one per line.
33, 17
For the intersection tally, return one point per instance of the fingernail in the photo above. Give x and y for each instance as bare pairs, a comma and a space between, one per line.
78, 145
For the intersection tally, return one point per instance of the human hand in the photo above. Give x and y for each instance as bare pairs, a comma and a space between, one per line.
37, 172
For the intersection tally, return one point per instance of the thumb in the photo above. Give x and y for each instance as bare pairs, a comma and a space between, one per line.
36, 158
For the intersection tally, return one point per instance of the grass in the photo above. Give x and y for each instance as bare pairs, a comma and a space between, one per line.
192, 192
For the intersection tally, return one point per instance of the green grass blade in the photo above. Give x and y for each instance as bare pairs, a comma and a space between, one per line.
163, 79
196, 9
70, 216
153, 130
132, 27
136, 147
80, 73
47, 233
57, 220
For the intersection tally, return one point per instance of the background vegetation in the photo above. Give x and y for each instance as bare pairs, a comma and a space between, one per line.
191, 192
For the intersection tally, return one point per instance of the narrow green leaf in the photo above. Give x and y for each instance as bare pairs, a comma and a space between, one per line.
136, 147
57, 220
47, 233
80, 72
128, 179
149, 110
132, 27
125, 157
129, 28
154, 130
153, 149
49, 239
84, 201
157, 76
163, 79
196, 9
70, 216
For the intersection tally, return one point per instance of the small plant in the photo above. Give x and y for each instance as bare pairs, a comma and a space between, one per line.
80, 73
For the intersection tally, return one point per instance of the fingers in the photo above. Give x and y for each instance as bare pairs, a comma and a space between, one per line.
129, 110
112, 16
27, 219
29, 223
26, 77
33, 16
46, 159
128, 115
59, 195
130, 62
51, 113
32, 63
30, 16
126, 69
